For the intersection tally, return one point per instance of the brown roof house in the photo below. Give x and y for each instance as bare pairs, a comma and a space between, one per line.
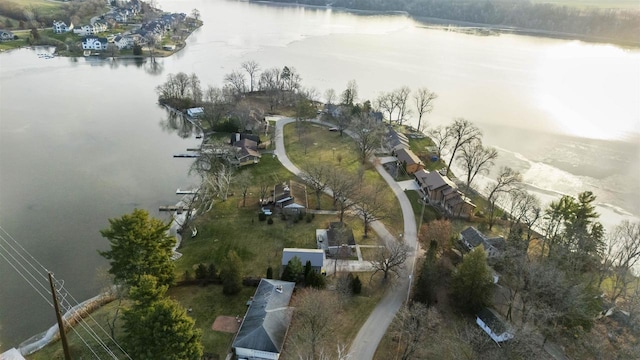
265, 325
246, 152
444, 193
337, 240
410, 161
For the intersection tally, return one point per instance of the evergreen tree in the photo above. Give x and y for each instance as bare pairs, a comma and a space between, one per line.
140, 245
231, 274
472, 284
269, 272
356, 285
294, 271
157, 327
425, 291
201, 271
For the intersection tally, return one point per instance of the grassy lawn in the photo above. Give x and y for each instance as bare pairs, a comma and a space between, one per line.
316, 145
429, 212
207, 303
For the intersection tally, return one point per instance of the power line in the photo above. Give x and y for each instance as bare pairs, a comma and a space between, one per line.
66, 304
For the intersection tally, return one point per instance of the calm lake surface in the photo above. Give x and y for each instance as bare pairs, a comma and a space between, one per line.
82, 141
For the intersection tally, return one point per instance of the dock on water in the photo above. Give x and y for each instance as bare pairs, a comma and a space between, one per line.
186, 192
178, 209
190, 155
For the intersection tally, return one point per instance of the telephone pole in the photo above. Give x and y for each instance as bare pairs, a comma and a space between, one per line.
63, 334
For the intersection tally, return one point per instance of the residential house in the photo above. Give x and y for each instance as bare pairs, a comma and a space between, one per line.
195, 112
246, 153
94, 43
337, 240
264, 327
410, 161
6, 35
59, 27
440, 191
92, 29
493, 325
472, 238
291, 197
396, 140
315, 256
239, 136
123, 42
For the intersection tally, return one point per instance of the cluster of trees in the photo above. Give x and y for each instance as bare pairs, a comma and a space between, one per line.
155, 326
17, 16
295, 272
605, 24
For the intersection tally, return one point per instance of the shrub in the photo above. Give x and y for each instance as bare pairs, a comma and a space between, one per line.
356, 285
309, 218
201, 272
269, 272
270, 221
262, 216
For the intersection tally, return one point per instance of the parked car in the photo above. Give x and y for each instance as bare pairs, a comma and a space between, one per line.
266, 211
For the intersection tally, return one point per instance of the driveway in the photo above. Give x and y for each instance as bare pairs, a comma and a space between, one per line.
366, 341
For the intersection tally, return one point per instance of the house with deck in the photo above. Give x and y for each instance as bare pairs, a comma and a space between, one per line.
290, 197
264, 327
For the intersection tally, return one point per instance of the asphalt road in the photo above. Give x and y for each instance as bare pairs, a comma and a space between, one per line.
366, 341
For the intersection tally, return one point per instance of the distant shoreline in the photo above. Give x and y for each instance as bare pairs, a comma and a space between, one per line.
500, 29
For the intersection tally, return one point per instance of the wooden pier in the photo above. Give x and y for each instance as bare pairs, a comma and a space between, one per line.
178, 209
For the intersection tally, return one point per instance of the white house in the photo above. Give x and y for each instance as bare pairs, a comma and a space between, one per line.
264, 326
195, 112
60, 27
86, 30
123, 42
495, 327
94, 43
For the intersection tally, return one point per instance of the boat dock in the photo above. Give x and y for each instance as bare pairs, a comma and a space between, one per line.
186, 155
186, 192
178, 209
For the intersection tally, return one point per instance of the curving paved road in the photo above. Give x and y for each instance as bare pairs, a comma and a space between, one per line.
366, 341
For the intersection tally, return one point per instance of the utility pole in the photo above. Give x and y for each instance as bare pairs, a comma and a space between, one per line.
63, 334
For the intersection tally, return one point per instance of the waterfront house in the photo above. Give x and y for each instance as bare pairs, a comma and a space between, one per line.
264, 327
440, 191
94, 43
59, 27
410, 161
6, 35
472, 238
396, 141
123, 42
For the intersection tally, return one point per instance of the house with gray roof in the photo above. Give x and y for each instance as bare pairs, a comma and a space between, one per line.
493, 325
472, 238
315, 256
265, 325
444, 193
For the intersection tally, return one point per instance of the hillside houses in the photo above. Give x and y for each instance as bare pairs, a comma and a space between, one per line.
440, 191
59, 27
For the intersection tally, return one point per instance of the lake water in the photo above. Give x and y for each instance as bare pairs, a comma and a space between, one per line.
83, 141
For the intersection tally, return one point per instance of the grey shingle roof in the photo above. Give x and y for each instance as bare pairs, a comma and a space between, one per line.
265, 324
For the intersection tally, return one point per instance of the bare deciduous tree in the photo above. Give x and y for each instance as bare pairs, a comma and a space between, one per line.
390, 259
402, 95
476, 159
410, 327
441, 139
386, 102
330, 96
343, 186
314, 321
236, 81
316, 176
367, 136
244, 181
252, 68
507, 179
424, 103
462, 131
371, 205
623, 253
350, 94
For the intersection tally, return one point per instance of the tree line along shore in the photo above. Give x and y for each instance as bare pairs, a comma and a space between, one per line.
611, 23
